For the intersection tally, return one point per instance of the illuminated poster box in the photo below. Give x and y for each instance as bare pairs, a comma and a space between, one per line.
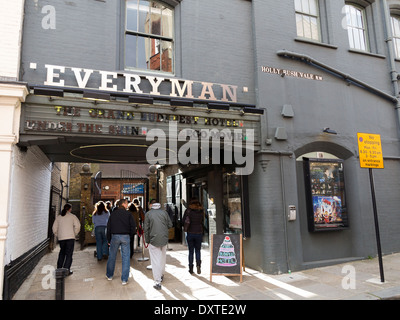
325, 194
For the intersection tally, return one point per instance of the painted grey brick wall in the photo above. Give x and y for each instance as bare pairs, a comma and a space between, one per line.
318, 104
210, 44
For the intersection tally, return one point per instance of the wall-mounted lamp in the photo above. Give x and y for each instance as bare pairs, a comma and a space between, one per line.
48, 92
218, 106
253, 110
329, 131
141, 99
96, 96
181, 102
85, 186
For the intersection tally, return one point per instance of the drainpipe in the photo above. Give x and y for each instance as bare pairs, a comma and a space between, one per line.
285, 219
391, 56
346, 77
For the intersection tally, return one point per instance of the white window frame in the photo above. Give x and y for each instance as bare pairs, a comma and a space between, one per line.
306, 11
357, 31
395, 23
152, 40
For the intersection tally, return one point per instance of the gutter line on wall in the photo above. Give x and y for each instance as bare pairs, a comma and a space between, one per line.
346, 77
391, 56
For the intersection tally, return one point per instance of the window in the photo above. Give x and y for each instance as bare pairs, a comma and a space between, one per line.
356, 27
307, 19
395, 20
149, 36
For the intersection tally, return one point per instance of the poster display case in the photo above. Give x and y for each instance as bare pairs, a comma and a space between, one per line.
232, 202
325, 194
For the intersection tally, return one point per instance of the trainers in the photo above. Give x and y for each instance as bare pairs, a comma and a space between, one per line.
108, 278
157, 286
124, 282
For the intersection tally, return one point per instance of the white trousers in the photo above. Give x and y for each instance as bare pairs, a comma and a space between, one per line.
158, 256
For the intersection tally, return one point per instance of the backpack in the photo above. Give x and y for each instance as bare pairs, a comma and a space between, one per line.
186, 224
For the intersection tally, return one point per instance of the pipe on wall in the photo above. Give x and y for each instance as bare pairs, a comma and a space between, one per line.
346, 77
391, 56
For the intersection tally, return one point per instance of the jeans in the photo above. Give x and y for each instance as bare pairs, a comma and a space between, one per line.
65, 255
194, 244
118, 240
101, 241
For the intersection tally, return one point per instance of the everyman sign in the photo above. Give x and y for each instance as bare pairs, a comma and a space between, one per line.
370, 150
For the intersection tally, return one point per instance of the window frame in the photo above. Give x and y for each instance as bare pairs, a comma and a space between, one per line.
310, 16
365, 29
396, 37
147, 35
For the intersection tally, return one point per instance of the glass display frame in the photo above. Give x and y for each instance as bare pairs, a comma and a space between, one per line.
325, 194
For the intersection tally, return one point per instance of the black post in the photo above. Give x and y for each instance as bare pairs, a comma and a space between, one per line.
378, 238
61, 273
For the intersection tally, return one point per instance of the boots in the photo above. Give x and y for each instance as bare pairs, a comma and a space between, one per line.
198, 267
190, 268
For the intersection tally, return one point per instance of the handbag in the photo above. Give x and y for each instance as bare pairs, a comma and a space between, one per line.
186, 224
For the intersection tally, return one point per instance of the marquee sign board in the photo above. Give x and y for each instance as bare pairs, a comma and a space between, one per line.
48, 119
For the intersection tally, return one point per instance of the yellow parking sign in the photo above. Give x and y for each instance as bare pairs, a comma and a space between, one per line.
370, 150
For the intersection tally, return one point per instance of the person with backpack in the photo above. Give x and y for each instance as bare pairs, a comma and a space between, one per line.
193, 220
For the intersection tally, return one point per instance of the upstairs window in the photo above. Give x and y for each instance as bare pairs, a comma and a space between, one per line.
307, 19
149, 41
356, 27
395, 20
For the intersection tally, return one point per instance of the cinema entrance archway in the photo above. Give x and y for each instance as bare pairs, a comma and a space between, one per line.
74, 129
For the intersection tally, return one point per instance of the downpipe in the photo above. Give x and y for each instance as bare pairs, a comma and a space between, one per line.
391, 57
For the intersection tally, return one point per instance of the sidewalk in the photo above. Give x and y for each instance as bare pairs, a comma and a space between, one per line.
88, 281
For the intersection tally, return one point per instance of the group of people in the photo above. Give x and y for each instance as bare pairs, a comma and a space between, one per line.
116, 229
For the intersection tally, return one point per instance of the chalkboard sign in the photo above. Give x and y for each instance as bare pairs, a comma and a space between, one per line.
226, 257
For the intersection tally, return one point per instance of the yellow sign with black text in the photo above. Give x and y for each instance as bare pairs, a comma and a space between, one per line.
370, 150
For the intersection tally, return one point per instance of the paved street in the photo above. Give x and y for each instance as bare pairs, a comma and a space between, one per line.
88, 281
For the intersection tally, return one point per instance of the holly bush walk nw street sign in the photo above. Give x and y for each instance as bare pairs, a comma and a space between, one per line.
370, 150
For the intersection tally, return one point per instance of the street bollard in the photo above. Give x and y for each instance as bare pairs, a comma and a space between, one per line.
60, 273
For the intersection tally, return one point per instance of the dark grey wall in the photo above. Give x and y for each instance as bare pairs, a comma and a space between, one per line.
210, 44
280, 245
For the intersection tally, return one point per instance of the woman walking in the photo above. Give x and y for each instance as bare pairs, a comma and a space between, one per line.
65, 228
100, 218
194, 236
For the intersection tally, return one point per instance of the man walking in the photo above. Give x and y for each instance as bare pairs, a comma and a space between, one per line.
120, 228
156, 225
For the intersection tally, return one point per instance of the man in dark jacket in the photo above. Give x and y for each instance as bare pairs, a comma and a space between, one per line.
120, 228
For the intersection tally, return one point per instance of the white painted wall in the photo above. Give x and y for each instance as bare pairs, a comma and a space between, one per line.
29, 201
11, 17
